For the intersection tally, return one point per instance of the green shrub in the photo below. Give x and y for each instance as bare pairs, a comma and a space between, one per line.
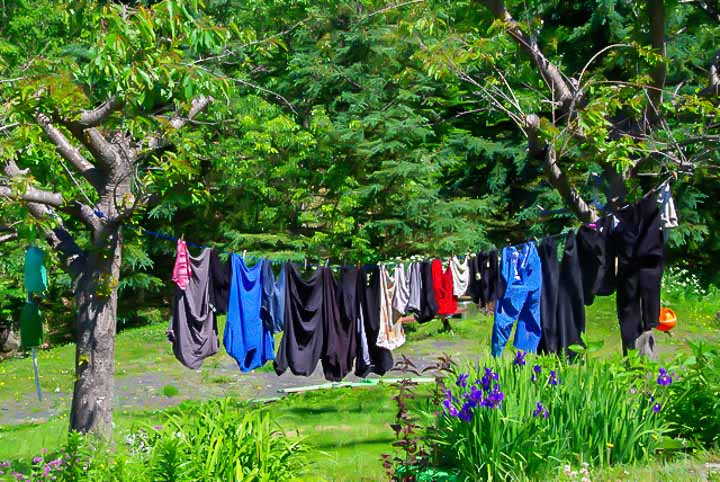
217, 441
212, 441
510, 418
694, 404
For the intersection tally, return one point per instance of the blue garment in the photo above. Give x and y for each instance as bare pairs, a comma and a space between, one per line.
273, 298
246, 338
521, 273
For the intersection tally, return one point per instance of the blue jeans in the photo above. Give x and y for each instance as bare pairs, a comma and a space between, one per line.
522, 274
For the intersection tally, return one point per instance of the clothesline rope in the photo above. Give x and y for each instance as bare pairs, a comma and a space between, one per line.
389, 263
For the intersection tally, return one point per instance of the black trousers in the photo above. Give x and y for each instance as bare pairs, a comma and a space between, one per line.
562, 307
639, 245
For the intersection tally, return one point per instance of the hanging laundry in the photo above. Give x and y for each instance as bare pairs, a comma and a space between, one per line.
668, 215
381, 359
428, 304
341, 340
34, 270
247, 339
273, 298
306, 315
192, 330
591, 247
641, 260
443, 286
31, 330
522, 281
391, 334
549, 295
415, 288
220, 277
460, 275
182, 272
488, 266
401, 294
562, 326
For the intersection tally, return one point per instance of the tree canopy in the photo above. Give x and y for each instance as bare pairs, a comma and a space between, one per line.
355, 130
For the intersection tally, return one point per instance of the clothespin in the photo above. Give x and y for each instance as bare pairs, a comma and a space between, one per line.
244, 253
305, 261
327, 262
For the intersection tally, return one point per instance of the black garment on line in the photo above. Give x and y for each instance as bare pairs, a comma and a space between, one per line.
381, 360
220, 276
428, 303
569, 320
488, 267
474, 288
309, 305
549, 295
340, 340
597, 259
639, 247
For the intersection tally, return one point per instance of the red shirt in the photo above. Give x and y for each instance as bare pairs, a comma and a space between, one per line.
443, 287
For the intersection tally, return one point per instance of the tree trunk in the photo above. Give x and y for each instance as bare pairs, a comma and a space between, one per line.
96, 300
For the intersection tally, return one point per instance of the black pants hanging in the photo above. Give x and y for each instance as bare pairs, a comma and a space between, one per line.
639, 246
549, 295
562, 307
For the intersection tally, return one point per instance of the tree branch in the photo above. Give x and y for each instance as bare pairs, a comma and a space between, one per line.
563, 91
554, 174
69, 152
656, 12
157, 141
34, 195
97, 116
713, 89
59, 238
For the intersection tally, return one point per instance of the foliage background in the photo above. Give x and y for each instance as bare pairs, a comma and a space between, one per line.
341, 135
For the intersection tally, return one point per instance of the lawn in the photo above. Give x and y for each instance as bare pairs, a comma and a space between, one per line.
349, 428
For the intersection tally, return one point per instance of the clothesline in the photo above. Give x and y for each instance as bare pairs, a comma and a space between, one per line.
388, 263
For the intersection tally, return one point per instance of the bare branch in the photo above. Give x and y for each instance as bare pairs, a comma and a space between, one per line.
84, 214
33, 195
157, 141
97, 116
11, 236
555, 175
70, 152
563, 91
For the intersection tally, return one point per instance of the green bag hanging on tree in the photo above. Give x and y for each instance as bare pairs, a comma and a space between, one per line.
31, 331
35, 271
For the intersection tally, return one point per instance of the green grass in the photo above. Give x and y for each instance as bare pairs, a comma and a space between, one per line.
348, 427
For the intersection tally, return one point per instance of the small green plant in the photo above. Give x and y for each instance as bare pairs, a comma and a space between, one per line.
694, 404
170, 390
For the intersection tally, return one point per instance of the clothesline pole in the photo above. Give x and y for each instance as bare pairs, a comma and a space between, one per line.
37, 376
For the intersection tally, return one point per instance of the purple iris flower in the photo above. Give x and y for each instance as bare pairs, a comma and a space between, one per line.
519, 358
462, 380
656, 408
553, 378
537, 369
466, 413
533, 378
37, 460
540, 411
664, 379
475, 395
495, 397
452, 411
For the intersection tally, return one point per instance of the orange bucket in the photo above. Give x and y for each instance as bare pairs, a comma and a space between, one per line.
667, 320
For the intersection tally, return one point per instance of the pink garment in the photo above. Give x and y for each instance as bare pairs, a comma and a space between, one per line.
181, 271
